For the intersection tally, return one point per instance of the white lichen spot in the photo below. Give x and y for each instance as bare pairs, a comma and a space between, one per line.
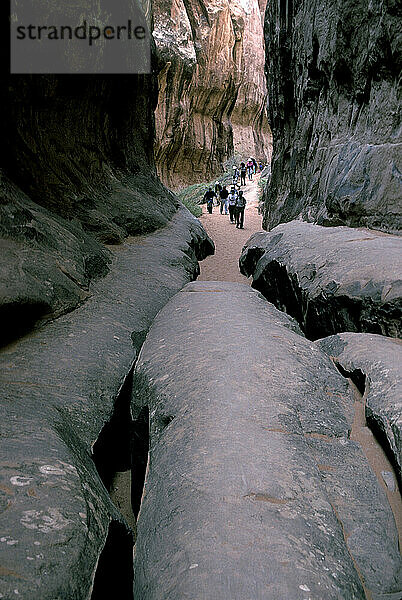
45, 523
30, 558
20, 480
193, 566
51, 470
82, 515
304, 588
37, 543
69, 468
12, 542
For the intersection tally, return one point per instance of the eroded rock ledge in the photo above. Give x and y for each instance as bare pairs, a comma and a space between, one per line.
59, 386
333, 74
379, 359
254, 489
330, 279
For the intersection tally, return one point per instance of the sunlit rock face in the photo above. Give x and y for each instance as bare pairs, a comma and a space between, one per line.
212, 90
332, 72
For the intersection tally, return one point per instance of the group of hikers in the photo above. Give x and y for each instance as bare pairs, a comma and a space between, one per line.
249, 168
232, 202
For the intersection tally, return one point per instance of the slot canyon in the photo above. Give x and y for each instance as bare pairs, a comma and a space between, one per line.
189, 409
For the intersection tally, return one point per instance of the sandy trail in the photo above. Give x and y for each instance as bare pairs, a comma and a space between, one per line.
229, 241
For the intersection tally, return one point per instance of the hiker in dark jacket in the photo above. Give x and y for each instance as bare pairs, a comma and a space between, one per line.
243, 171
209, 199
239, 210
224, 200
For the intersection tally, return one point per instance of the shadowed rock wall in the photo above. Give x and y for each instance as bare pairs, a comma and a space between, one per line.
78, 173
212, 90
334, 106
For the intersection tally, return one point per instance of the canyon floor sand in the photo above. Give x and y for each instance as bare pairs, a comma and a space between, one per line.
229, 241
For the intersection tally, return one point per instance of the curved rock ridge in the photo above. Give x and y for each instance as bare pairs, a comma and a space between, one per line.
254, 489
330, 279
59, 389
212, 89
333, 73
380, 359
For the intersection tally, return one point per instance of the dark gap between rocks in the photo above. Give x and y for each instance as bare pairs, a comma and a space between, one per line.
112, 457
112, 450
19, 319
140, 449
120, 455
357, 376
114, 574
376, 448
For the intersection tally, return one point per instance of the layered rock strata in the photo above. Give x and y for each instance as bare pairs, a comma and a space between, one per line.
331, 279
379, 359
254, 489
212, 90
59, 389
333, 73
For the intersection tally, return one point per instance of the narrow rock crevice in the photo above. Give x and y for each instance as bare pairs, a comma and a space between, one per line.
114, 573
112, 450
139, 457
120, 455
375, 447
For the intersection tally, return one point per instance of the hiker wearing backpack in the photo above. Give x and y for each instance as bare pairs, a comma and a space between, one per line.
239, 210
218, 189
209, 199
224, 200
232, 202
243, 171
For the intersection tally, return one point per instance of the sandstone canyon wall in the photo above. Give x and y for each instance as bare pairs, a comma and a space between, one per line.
212, 90
334, 106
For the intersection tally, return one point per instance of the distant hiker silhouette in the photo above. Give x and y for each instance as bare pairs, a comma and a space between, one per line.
239, 210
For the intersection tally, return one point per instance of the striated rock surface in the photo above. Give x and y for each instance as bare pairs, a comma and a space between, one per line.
254, 489
212, 90
380, 360
334, 106
331, 279
65, 408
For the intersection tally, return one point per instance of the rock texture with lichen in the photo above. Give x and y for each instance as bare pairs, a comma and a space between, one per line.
334, 97
212, 90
